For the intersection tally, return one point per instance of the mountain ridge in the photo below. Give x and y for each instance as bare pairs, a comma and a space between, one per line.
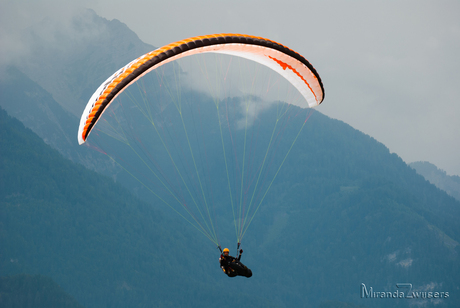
449, 183
343, 211
329, 234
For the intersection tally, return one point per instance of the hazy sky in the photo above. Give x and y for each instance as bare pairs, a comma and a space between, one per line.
391, 69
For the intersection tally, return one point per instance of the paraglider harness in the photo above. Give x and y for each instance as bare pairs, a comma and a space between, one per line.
235, 267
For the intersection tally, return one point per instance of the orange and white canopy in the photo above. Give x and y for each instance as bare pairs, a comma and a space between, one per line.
291, 65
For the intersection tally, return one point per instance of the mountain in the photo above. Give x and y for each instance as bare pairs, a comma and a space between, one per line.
343, 212
103, 246
34, 291
48, 88
449, 183
358, 216
70, 59
355, 213
26, 100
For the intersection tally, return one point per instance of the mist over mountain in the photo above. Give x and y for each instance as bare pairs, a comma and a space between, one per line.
36, 108
69, 59
343, 211
48, 85
449, 183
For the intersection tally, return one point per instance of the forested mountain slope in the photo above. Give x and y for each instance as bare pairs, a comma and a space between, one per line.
326, 226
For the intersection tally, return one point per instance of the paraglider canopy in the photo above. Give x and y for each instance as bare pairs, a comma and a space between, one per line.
291, 65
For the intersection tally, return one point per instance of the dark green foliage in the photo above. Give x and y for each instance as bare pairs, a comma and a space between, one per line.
343, 211
101, 244
25, 291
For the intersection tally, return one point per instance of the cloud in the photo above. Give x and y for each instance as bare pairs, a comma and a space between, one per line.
18, 17
390, 68
249, 110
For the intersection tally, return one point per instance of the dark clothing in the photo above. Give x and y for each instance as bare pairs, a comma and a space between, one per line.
225, 264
